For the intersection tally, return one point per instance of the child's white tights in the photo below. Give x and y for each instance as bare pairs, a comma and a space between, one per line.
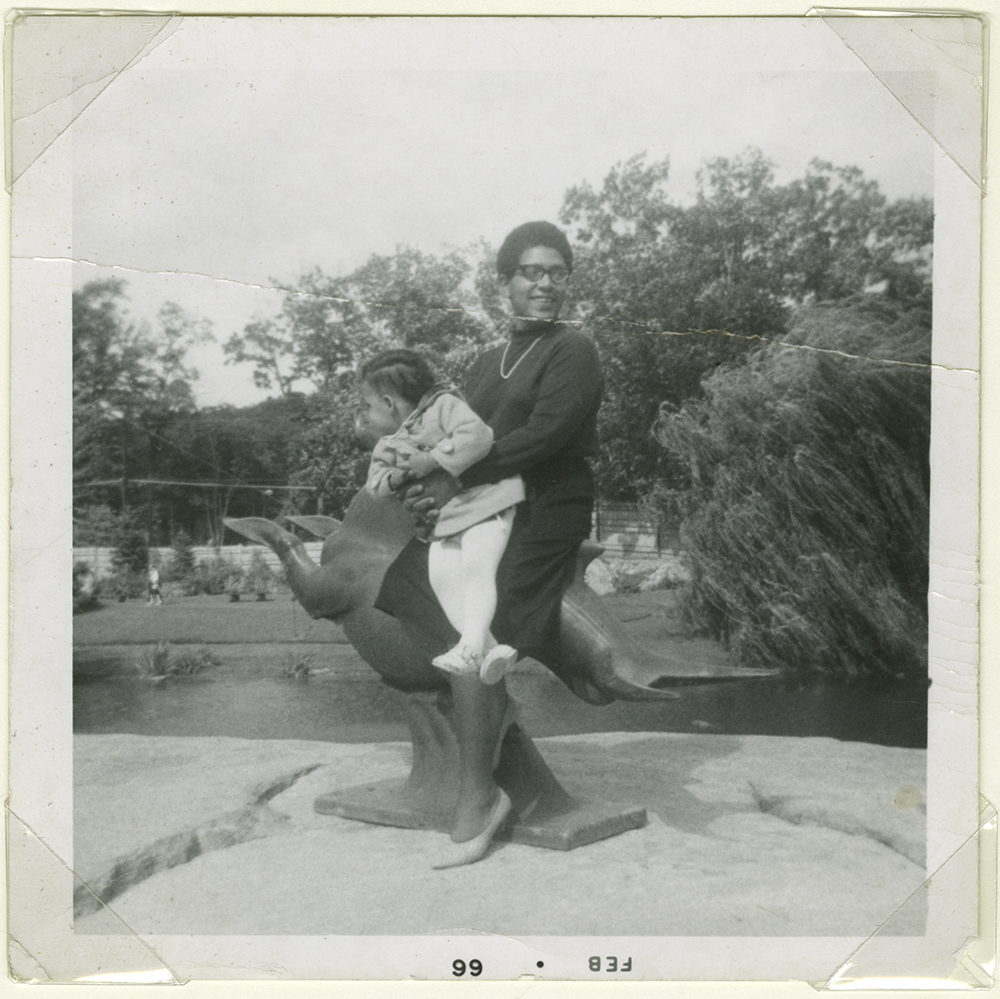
463, 574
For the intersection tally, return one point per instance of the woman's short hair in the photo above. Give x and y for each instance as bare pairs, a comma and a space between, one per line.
403, 372
526, 237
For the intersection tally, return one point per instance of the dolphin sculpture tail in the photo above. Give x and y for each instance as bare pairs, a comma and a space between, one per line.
622, 667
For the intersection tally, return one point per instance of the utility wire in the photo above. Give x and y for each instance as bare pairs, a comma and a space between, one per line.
196, 485
237, 481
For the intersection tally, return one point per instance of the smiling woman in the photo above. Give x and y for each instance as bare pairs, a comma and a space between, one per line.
539, 393
537, 286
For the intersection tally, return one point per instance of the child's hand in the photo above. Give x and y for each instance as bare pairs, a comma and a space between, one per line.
397, 478
420, 463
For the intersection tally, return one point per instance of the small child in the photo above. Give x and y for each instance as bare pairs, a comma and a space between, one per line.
426, 425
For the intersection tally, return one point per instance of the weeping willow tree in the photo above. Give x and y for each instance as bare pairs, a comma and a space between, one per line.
805, 502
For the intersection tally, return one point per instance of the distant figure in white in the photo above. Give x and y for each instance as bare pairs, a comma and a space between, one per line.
427, 425
154, 587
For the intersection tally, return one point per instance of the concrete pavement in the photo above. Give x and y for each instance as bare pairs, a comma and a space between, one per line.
753, 835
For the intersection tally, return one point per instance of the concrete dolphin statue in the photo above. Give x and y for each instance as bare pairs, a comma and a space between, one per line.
358, 551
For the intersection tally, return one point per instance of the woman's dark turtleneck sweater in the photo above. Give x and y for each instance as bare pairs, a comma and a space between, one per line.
545, 412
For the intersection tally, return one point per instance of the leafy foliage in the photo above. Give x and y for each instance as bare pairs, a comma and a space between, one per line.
97, 525
129, 562
216, 575
327, 326
160, 661
182, 558
130, 552
683, 300
85, 596
126, 377
805, 505
155, 661
190, 661
330, 458
674, 292
237, 453
259, 578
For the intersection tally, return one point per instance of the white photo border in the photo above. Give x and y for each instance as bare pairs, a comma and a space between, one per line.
43, 288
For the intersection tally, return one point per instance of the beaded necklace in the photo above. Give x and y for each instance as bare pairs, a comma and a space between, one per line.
503, 360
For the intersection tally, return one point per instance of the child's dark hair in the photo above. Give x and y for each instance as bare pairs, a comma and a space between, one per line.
401, 371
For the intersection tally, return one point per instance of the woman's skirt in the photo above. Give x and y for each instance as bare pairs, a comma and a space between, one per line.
537, 567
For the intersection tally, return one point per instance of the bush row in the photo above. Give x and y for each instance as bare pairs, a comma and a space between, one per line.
180, 576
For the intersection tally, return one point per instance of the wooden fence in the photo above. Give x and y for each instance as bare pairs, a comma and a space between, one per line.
623, 530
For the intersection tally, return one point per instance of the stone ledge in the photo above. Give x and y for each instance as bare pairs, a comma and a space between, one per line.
741, 829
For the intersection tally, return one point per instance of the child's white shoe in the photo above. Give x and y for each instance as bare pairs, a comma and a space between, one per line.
497, 663
461, 661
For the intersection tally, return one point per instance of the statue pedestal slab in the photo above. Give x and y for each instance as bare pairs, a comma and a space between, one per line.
387, 803
544, 814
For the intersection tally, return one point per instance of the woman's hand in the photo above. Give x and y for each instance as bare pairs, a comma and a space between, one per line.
424, 499
397, 478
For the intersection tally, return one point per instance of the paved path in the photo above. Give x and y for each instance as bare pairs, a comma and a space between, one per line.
747, 835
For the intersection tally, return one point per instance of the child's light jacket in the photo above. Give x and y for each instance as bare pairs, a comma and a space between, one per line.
444, 425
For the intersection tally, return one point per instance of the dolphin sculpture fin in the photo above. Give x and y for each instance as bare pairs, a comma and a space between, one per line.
321, 527
265, 532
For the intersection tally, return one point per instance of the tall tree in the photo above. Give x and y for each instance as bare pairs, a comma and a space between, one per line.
266, 344
328, 458
327, 325
130, 380
672, 292
651, 282
237, 462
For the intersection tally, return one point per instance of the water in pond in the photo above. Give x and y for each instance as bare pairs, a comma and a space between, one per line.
352, 705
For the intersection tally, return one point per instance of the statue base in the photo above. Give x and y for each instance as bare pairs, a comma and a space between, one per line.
384, 803
544, 814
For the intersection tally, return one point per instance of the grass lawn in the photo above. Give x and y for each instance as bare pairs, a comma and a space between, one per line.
204, 619
650, 617
215, 621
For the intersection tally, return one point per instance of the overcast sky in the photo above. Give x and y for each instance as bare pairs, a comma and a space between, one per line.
251, 149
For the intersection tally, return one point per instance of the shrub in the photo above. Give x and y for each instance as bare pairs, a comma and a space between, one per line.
84, 588
297, 664
805, 512
155, 661
129, 563
127, 584
217, 575
182, 558
130, 554
159, 661
193, 660
259, 578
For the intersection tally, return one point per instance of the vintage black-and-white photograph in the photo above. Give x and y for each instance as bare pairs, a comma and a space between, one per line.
666, 300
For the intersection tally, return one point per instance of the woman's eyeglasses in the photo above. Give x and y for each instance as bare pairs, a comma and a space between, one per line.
535, 273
